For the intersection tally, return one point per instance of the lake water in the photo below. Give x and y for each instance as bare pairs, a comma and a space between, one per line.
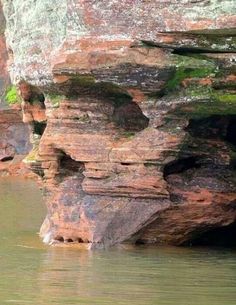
31, 273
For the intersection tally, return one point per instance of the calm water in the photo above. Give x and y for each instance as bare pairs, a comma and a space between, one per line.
35, 274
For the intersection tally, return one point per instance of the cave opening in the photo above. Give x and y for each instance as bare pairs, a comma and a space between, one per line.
130, 117
39, 127
215, 237
181, 165
7, 159
68, 166
215, 126
211, 127
231, 130
37, 98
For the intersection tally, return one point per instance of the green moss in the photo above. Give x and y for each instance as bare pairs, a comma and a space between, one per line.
205, 101
12, 96
205, 109
207, 92
189, 67
84, 80
183, 73
225, 97
55, 99
198, 92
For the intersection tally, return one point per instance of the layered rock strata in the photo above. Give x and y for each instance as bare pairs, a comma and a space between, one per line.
14, 135
136, 116
14, 143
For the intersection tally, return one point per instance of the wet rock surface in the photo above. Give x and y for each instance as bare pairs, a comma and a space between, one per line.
133, 120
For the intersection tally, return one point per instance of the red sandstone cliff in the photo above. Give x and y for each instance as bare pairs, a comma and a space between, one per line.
135, 117
14, 135
4, 76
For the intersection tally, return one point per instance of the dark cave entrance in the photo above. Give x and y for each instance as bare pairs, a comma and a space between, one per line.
130, 117
215, 126
216, 237
7, 159
231, 130
199, 165
37, 97
39, 127
181, 165
68, 166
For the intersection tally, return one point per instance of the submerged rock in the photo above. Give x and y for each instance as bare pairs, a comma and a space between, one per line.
134, 115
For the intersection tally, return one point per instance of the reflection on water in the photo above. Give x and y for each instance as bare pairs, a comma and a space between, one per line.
32, 273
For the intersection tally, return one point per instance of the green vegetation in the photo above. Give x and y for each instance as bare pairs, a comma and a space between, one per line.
55, 99
190, 67
183, 73
206, 101
84, 80
12, 97
227, 98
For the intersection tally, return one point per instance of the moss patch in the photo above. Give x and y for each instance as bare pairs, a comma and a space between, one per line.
227, 98
84, 80
203, 101
183, 73
189, 67
12, 97
55, 99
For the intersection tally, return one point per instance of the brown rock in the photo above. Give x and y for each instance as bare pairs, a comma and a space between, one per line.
14, 143
139, 101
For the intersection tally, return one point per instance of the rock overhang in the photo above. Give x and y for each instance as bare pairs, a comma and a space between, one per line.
106, 66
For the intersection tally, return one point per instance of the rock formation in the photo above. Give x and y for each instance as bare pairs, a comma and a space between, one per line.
14, 143
14, 135
4, 76
136, 115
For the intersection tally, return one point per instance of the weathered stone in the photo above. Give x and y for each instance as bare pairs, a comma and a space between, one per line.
140, 103
4, 76
14, 142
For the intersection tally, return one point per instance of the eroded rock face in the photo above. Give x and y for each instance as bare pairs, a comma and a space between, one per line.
4, 76
140, 103
14, 142
14, 135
